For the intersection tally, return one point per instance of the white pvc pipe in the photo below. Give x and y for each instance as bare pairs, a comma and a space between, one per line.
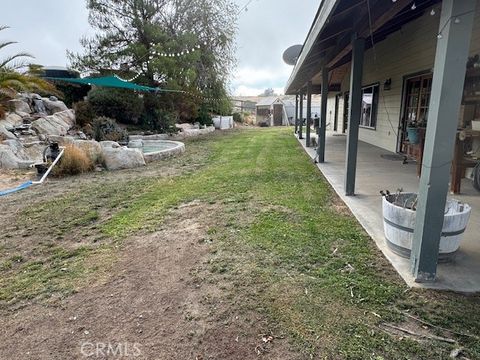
50, 168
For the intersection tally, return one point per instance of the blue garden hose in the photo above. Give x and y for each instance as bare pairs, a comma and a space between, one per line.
18, 188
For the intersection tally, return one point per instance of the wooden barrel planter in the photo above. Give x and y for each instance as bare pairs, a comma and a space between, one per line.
399, 222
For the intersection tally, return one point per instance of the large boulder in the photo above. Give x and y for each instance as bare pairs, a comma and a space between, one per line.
10, 160
56, 124
13, 119
184, 126
107, 144
26, 151
122, 158
67, 116
61, 140
54, 105
5, 133
91, 147
20, 105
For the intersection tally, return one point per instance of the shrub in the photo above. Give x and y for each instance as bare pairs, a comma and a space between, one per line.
83, 113
73, 162
104, 128
204, 117
238, 117
125, 106
156, 116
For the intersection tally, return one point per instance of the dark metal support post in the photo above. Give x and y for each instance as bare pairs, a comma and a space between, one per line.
308, 141
296, 113
445, 99
300, 121
355, 110
323, 117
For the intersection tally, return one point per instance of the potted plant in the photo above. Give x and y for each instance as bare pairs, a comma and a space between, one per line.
412, 132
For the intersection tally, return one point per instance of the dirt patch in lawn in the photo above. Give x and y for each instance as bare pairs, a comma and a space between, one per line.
158, 303
12, 178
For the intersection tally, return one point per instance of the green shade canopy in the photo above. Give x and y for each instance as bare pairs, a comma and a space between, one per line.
107, 81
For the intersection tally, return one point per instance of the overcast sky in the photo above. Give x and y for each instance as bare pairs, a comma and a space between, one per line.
47, 28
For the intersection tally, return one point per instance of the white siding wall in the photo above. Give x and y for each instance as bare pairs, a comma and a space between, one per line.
405, 52
330, 111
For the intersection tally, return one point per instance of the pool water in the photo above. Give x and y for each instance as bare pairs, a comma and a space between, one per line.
150, 148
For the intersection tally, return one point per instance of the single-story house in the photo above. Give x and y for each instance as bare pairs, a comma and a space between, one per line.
384, 68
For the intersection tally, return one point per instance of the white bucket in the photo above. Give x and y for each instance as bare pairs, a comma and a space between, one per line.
399, 222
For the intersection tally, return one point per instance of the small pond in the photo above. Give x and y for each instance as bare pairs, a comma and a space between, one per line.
154, 150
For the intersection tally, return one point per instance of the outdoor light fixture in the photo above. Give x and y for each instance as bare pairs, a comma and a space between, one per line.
387, 85
414, 6
432, 13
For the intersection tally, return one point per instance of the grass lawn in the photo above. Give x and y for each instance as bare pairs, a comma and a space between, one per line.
286, 243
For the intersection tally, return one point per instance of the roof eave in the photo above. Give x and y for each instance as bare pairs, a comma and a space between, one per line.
325, 10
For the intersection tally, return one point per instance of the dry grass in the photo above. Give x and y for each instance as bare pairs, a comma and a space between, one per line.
74, 161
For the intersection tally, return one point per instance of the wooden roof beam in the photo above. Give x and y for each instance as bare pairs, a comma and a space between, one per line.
385, 16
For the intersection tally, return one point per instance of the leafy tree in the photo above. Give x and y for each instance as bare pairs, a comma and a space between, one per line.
131, 36
123, 105
268, 92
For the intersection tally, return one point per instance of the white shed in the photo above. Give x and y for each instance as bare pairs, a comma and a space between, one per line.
275, 111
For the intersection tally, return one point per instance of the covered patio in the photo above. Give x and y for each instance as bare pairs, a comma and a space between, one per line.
372, 53
375, 173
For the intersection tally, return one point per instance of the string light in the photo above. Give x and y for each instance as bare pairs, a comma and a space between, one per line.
414, 6
128, 80
456, 20
432, 13
181, 53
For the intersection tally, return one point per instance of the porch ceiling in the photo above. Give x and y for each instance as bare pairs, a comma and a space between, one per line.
329, 40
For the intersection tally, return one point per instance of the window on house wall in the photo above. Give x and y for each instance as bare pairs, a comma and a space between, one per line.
369, 106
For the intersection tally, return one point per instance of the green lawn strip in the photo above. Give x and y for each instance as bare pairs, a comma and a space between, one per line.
330, 256
56, 275
67, 237
288, 250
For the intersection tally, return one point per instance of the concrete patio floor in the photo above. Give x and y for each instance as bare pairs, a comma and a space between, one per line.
375, 173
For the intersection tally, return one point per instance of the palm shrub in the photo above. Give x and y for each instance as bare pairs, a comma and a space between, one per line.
12, 81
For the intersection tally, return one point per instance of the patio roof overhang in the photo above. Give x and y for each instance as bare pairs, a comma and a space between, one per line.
329, 41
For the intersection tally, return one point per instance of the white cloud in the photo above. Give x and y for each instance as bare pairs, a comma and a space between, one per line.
249, 81
243, 90
264, 32
251, 76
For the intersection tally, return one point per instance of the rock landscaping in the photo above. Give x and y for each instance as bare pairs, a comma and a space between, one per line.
34, 121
